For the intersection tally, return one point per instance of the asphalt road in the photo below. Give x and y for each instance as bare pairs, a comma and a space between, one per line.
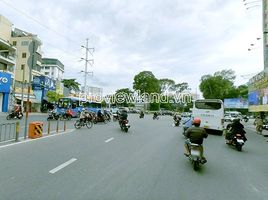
147, 163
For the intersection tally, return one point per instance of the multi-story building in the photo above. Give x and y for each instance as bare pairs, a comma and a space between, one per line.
28, 65
7, 64
52, 68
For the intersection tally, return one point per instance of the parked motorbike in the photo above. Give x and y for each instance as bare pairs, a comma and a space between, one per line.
52, 115
13, 115
83, 122
237, 141
195, 156
124, 125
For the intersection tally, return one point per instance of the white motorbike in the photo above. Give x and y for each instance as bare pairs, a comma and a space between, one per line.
195, 156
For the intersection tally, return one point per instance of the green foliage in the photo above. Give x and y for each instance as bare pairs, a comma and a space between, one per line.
180, 87
121, 97
71, 84
103, 104
221, 86
218, 86
146, 82
53, 96
166, 84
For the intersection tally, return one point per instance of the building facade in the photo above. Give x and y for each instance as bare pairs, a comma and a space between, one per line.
7, 65
52, 68
28, 65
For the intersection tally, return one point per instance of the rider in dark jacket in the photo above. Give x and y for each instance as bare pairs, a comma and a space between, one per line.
233, 128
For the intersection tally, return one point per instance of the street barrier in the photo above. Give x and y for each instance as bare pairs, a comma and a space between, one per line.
35, 130
9, 131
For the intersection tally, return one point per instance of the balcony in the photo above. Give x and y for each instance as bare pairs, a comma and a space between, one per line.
6, 58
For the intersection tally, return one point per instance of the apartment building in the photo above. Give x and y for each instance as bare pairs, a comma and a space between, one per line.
7, 64
52, 68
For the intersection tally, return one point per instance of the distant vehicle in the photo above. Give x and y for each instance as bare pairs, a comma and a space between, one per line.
211, 113
233, 115
75, 105
166, 112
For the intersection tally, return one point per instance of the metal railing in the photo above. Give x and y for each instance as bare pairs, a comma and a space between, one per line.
9, 131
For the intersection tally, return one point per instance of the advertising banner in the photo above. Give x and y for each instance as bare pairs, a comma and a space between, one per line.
236, 103
5, 82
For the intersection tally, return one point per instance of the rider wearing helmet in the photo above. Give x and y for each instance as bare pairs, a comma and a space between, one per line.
83, 114
233, 128
195, 135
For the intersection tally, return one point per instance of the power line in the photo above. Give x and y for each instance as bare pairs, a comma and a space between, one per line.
41, 24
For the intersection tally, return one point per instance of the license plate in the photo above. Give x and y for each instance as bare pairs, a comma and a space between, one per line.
206, 126
195, 153
240, 141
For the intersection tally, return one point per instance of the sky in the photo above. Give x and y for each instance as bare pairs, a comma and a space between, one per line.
175, 39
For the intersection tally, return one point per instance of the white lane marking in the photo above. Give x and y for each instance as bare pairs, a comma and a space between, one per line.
41, 138
109, 140
53, 171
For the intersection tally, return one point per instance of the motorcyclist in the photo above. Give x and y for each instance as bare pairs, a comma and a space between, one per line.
258, 123
141, 114
83, 115
107, 114
123, 116
155, 115
187, 123
100, 115
195, 135
17, 110
177, 119
233, 128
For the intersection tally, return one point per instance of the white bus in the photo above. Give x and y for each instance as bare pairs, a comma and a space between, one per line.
211, 113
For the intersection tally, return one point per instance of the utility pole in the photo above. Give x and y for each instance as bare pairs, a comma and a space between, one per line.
265, 32
31, 63
87, 61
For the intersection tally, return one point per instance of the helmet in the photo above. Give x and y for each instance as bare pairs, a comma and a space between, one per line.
196, 121
83, 109
236, 120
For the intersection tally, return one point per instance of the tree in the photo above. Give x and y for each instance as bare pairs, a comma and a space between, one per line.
242, 91
53, 96
218, 86
146, 82
123, 97
103, 104
180, 87
71, 84
166, 84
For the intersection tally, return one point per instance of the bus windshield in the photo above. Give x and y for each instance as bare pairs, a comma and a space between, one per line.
63, 103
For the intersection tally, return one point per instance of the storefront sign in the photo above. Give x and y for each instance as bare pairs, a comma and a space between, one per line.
5, 82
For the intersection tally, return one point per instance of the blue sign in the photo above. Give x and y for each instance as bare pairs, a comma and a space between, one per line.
5, 82
236, 103
40, 82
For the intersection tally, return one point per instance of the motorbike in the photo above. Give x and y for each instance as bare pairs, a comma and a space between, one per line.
13, 115
115, 117
83, 122
97, 119
177, 122
141, 115
246, 118
124, 125
52, 115
155, 117
237, 141
67, 115
195, 156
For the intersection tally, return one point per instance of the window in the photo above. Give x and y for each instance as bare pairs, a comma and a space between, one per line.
14, 43
24, 55
46, 73
22, 67
46, 67
24, 43
208, 105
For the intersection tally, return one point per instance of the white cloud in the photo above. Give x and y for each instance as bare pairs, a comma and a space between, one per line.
177, 39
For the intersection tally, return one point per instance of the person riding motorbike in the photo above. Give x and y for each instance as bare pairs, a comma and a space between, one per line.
234, 128
177, 119
84, 115
155, 115
258, 123
122, 116
100, 115
195, 135
141, 114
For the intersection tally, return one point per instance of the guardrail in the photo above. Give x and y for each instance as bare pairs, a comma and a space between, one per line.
9, 131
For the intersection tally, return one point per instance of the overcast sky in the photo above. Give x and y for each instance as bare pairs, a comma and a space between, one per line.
177, 39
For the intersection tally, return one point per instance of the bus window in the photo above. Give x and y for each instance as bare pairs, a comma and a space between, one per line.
208, 105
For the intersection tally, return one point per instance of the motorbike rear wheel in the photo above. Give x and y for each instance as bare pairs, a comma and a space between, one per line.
239, 147
8, 117
196, 165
